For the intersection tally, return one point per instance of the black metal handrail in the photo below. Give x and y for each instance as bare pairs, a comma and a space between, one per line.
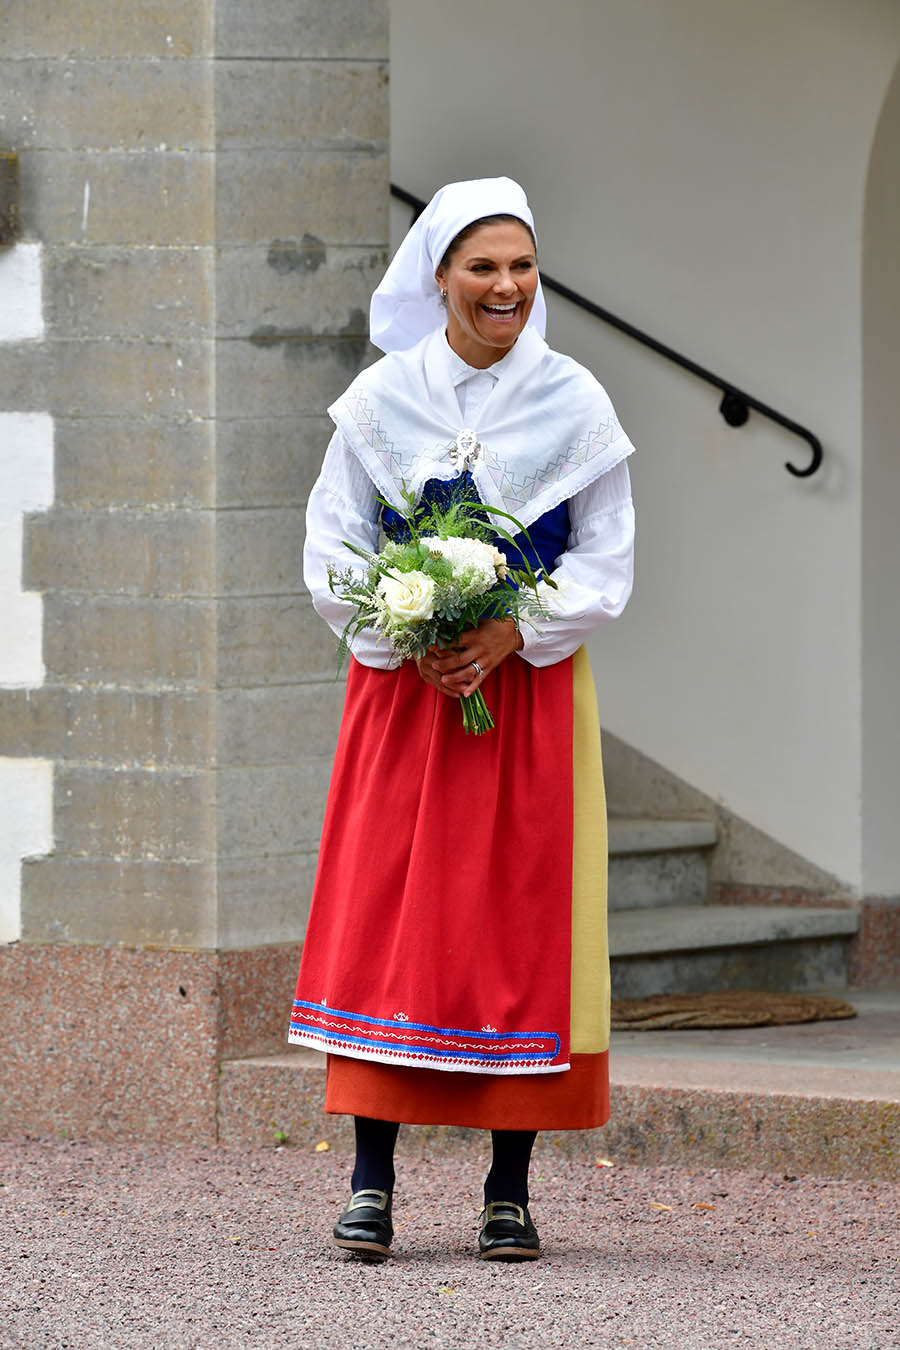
736, 403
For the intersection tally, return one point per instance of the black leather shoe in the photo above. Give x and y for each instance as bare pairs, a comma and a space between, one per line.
507, 1233
365, 1227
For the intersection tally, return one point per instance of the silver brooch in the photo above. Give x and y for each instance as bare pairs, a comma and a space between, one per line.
466, 449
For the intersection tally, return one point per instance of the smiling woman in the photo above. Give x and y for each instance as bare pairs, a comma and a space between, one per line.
455, 964
488, 279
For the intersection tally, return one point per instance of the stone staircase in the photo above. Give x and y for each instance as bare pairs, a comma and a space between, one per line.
664, 938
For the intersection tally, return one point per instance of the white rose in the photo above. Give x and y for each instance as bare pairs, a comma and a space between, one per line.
499, 563
409, 597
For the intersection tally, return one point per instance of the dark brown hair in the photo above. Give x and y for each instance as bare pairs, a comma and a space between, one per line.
468, 230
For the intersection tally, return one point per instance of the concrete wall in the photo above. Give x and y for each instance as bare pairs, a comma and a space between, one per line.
700, 169
204, 207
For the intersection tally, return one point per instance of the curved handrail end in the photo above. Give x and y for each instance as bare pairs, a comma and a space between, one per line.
816, 447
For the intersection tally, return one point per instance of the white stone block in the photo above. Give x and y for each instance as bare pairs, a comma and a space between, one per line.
21, 615
26, 462
21, 311
26, 830
26, 484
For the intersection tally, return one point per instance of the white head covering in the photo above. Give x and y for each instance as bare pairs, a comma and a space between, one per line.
407, 305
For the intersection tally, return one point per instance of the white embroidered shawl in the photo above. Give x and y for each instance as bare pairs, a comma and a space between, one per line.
546, 430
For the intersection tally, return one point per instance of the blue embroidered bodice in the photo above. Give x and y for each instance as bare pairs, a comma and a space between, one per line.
549, 533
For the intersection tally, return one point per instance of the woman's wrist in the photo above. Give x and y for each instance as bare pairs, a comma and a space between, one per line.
516, 640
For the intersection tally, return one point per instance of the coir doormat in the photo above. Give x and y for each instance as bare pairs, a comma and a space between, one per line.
739, 1008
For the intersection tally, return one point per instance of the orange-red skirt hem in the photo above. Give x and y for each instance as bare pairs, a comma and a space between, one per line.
577, 1099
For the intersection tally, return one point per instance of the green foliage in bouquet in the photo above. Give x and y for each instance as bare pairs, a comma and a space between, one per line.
443, 578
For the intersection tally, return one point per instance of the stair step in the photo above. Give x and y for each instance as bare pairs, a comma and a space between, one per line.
651, 880
629, 834
658, 862
700, 948
679, 928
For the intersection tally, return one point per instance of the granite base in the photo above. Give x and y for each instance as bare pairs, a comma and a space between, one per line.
116, 1043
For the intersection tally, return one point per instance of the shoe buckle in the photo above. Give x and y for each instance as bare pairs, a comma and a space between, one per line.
368, 1200
490, 1211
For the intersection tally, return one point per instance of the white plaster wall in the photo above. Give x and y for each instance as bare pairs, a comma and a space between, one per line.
26, 484
698, 168
21, 314
26, 829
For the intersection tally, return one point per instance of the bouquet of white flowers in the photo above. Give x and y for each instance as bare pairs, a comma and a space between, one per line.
443, 578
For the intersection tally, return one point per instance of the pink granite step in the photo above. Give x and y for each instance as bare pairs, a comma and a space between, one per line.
823, 1098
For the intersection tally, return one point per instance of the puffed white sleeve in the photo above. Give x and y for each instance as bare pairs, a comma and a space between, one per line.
594, 575
342, 507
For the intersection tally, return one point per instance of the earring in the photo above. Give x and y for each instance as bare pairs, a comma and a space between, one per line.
443, 297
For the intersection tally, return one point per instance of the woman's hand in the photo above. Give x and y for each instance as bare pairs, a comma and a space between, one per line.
453, 671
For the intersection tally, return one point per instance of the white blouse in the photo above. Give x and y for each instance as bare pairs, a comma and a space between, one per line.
594, 574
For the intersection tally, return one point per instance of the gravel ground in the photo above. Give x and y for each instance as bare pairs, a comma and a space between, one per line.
111, 1246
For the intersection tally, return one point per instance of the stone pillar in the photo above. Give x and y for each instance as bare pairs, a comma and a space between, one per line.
203, 192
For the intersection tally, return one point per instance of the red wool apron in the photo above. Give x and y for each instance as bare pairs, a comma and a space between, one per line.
441, 932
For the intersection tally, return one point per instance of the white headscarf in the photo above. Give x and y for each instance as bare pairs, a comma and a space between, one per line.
407, 304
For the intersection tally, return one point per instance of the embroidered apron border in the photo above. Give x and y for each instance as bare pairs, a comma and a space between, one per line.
515, 1040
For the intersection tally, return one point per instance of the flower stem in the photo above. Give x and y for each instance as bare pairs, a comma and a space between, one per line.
476, 714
